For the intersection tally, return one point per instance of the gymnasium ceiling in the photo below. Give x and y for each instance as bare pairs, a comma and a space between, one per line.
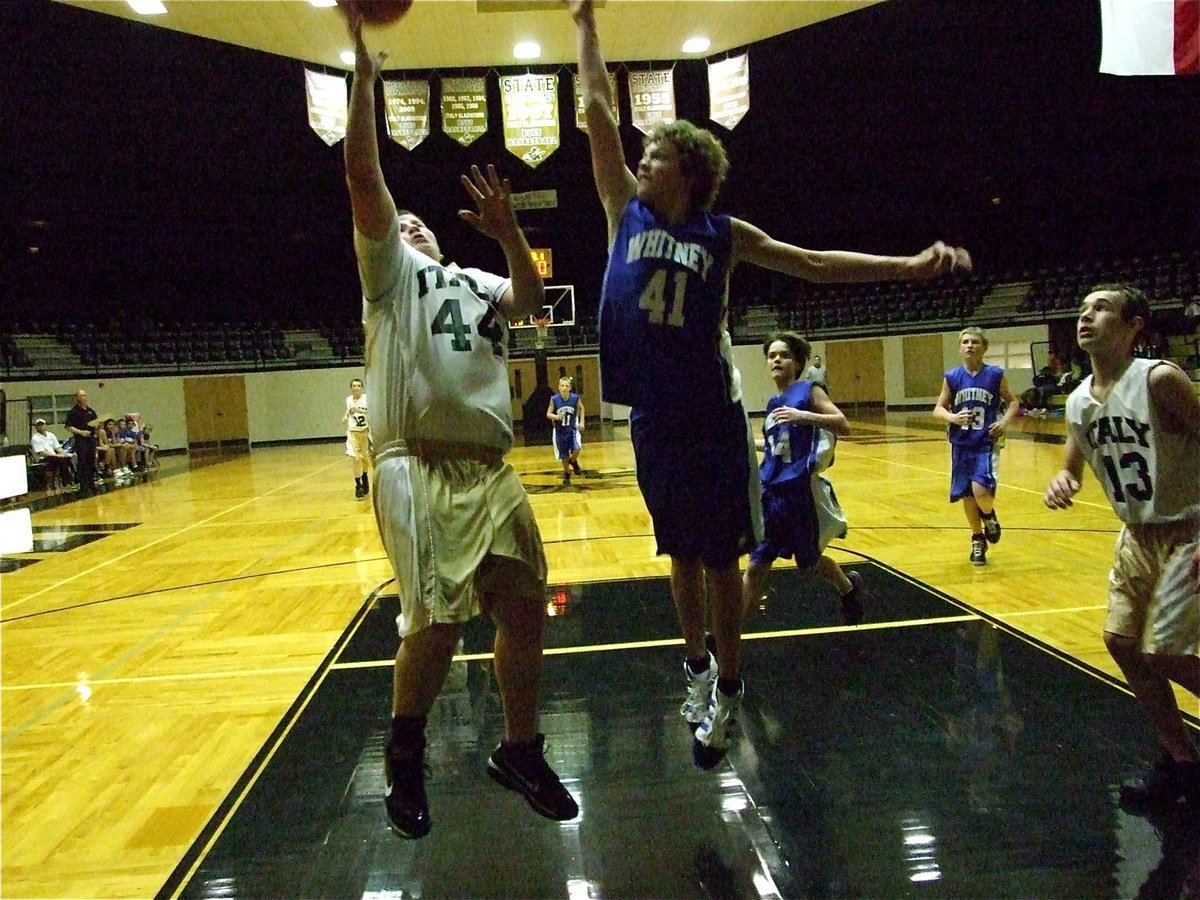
446, 34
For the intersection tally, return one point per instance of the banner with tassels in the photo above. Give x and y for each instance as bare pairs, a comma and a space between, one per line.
729, 90
530, 107
651, 98
328, 105
406, 111
464, 109
580, 117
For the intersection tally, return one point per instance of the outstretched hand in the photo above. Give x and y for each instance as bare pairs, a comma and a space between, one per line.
941, 259
493, 201
579, 9
366, 65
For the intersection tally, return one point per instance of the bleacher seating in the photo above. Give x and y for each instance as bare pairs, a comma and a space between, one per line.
124, 344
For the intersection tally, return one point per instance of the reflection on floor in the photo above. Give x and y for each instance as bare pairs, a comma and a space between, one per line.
925, 753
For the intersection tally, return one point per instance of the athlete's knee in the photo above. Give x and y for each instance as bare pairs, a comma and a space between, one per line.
1124, 649
510, 590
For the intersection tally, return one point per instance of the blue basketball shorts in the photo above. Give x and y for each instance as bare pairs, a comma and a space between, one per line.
800, 517
696, 476
971, 464
566, 442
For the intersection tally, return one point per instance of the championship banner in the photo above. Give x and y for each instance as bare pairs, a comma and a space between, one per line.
530, 107
651, 98
464, 109
1150, 37
580, 118
327, 105
729, 90
406, 111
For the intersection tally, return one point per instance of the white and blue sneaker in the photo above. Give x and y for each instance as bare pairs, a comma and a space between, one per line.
714, 733
701, 686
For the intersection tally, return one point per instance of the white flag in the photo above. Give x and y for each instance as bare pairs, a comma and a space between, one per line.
327, 105
1150, 37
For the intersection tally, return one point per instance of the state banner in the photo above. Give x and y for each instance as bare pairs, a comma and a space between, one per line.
328, 105
406, 111
580, 116
729, 90
530, 107
651, 98
464, 109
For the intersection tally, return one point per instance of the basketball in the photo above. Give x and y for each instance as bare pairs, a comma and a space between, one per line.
376, 12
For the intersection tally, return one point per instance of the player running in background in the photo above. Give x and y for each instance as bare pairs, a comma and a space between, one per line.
801, 514
971, 400
358, 438
566, 412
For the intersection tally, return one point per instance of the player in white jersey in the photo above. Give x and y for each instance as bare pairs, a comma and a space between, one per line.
1137, 424
358, 438
454, 518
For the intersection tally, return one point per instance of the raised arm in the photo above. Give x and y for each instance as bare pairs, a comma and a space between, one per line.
753, 245
494, 216
370, 202
614, 182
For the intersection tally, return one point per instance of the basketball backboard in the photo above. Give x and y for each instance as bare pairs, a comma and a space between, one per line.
559, 308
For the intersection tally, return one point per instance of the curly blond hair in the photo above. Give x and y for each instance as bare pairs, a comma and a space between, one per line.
702, 158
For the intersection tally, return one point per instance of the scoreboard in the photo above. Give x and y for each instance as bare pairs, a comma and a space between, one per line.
543, 260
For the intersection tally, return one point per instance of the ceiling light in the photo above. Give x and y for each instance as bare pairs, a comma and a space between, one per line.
696, 45
527, 50
322, 4
147, 7
348, 57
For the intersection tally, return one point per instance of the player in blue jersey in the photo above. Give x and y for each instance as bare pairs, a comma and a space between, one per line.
566, 412
970, 403
661, 309
801, 514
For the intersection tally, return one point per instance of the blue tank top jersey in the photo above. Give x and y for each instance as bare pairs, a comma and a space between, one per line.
567, 422
791, 448
660, 313
980, 394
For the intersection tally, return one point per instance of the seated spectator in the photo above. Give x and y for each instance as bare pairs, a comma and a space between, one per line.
1058, 376
60, 465
1191, 314
106, 450
124, 452
127, 435
146, 448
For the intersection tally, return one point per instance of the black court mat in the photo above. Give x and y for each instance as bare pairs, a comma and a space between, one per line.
928, 753
60, 539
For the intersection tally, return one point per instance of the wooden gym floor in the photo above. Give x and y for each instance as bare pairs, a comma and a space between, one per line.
196, 676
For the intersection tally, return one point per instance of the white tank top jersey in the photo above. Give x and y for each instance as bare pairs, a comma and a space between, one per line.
1149, 475
437, 349
356, 413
